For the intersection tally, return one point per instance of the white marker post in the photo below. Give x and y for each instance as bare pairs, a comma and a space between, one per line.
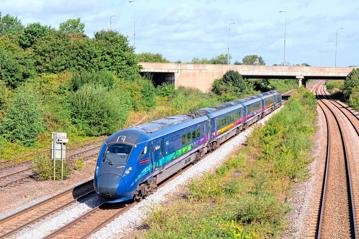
59, 141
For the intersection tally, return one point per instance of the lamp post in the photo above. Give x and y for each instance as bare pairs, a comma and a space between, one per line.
285, 34
229, 32
111, 21
336, 46
134, 23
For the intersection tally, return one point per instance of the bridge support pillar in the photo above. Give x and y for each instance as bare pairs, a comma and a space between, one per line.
300, 80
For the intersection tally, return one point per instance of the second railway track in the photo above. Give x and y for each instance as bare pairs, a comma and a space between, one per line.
338, 207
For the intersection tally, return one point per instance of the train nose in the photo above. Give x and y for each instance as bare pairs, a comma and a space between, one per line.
108, 184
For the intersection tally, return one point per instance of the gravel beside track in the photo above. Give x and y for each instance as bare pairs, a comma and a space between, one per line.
16, 222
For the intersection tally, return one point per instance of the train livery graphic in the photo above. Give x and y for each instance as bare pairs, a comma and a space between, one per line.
132, 162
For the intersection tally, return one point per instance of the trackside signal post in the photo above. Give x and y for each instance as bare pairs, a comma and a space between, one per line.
58, 150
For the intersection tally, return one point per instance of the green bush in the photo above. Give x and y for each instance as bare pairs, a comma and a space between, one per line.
142, 93
23, 121
351, 81
165, 90
354, 98
97, 111
232, 85
44, 168
283, 85
103, 78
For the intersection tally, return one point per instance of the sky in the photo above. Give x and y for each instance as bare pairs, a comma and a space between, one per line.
182, 30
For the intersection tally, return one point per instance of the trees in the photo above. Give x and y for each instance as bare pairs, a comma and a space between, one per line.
116, 55
10, 25
72, 26
253, 60
24, 120
351, 81
32, 33
51, 53
16, 65
231, 85
151, 57
220, 59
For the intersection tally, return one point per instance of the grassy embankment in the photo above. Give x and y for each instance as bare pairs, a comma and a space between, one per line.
335, 86
284, 85
247, 196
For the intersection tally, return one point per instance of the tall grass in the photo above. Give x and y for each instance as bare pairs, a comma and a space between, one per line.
246, 197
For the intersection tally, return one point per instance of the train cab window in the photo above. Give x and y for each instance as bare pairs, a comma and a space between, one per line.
184, 139
118, 154
193, 134
144, 151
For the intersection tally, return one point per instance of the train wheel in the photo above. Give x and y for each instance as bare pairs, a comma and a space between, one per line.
214, 145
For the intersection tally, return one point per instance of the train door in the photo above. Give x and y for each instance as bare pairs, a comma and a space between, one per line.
156, 153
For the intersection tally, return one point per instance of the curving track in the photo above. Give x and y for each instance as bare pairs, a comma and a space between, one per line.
339, 201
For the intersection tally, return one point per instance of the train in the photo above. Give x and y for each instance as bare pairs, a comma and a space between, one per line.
134, 161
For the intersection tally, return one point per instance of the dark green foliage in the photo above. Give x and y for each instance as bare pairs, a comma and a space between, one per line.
262, 85
3, 95
148, 95
23, 121
32, 33
51, 53
96, 111
72, 26
10, 25
351, 81
232, 85
253, 60
16, 64
116, 55
83, 54
151, 57
165, 90
354, 98
100, 78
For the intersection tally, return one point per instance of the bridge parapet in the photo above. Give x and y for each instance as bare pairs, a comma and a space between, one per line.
201, 76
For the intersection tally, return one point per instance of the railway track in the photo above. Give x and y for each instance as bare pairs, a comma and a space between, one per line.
338, 213
18, 221
90, 222
23, 172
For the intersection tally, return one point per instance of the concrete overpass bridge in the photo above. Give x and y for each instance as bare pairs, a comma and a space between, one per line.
201, 76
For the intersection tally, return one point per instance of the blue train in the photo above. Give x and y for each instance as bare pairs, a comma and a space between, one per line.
132, 162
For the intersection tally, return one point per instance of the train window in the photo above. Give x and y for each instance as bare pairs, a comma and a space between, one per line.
184, 139
144, 151
189, 137
118, 154
198, 133
193, 134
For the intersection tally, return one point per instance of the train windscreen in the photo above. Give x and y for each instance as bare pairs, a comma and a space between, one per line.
118, 154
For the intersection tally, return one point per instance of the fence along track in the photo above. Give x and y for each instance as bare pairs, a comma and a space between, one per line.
322, 226
16, 222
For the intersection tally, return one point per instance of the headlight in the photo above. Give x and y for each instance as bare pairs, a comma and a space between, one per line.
127, 171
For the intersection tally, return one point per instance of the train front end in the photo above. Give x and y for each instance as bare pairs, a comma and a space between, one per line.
116, 169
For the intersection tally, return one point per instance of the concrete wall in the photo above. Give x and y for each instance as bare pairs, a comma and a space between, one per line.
201, 76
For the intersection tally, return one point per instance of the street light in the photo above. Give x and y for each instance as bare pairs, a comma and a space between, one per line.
134, 23
229, 32
336, 46
285, 34
111, 21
